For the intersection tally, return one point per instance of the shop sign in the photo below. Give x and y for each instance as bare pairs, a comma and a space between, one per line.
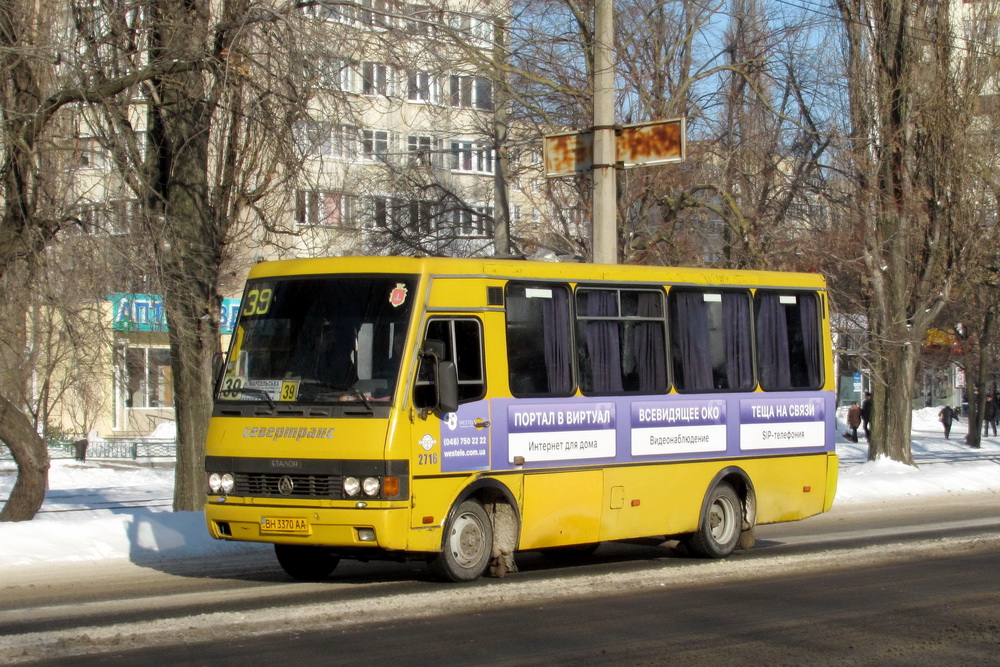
144, 312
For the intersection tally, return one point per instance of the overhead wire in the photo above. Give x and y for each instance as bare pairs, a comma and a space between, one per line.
918, 33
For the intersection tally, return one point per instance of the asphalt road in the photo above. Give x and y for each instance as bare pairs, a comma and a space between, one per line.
908, 582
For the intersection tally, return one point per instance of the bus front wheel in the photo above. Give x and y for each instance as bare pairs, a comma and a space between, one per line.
306, 563
719, 529
468, 545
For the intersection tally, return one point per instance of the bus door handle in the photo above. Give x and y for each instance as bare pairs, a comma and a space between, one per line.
481, 423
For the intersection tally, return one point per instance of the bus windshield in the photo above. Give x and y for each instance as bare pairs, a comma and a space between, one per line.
319, 340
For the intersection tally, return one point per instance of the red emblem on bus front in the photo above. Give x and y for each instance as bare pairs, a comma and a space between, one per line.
397, 297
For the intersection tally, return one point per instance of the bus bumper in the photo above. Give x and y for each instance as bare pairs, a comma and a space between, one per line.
349, 528
832, 469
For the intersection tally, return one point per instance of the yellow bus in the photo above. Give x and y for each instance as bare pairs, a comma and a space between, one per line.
462, 410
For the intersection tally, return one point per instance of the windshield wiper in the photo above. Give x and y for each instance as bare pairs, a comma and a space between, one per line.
364, 399
353, 392
253, 391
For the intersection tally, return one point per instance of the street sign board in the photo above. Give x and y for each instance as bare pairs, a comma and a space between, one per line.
637, 145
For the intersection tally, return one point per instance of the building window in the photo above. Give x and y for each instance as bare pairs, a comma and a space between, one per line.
323, 208
422, 217
477, 30
376, 79
115, 217
471, 92
388, 212
423, 150
376, 13
337, 74
313, 138
376, 144
471, 157
423, 87
472, 222
342, 75
420, 20
90, 154
345, 141
145, 377
332, 13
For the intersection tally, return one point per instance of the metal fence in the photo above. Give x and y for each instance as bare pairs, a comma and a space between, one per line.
108, 449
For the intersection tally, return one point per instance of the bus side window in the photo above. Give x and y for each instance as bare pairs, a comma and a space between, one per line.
539, 340
463, 343
710, 340
621, 341
788, 340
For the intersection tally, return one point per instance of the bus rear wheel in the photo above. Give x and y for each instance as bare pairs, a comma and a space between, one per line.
468, 545
306, 563
720, 526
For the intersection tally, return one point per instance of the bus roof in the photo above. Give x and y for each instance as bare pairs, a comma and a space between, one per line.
516, 269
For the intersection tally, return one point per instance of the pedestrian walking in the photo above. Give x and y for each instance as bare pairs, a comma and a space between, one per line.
854, 420
947, 416
866, 415
989, 416
996, 413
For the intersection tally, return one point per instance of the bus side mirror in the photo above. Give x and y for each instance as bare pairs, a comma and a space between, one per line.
433, 348
447, 385
218, 367
437, 390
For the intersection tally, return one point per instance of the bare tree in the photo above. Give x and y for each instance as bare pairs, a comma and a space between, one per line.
755, 142
25, 226
190, 68
912, 94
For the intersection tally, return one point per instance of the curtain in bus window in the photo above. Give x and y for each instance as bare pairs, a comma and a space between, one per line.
772, 342
810, 339
650, 358
736, 340
692, 361
603, 345
555, 331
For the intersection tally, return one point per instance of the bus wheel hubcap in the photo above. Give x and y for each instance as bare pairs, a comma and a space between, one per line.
467, 541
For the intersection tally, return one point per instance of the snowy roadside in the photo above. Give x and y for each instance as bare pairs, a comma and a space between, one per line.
106, 510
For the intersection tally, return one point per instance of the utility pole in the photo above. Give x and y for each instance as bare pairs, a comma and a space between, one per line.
501, 111
605, 147
605, 218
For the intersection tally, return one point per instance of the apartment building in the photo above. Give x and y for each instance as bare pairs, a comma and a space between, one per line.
396, 147
392, 153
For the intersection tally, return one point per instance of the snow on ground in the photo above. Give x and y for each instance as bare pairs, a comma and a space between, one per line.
112, 509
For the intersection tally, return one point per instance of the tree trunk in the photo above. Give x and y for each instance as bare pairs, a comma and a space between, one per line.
892, 410
191, 248
979, 380
194, 340
21, 235
32, 459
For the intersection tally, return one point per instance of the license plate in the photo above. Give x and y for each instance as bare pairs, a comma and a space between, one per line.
284, 525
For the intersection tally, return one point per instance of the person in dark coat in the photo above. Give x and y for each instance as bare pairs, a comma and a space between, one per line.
854, 419
866, 415
989, 416
947, 416
996, 416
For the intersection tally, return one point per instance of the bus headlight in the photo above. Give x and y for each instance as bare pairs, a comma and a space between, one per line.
352, 486
371, 486
224, 483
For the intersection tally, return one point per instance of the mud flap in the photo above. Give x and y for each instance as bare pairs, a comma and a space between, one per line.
504, 540
747, 539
